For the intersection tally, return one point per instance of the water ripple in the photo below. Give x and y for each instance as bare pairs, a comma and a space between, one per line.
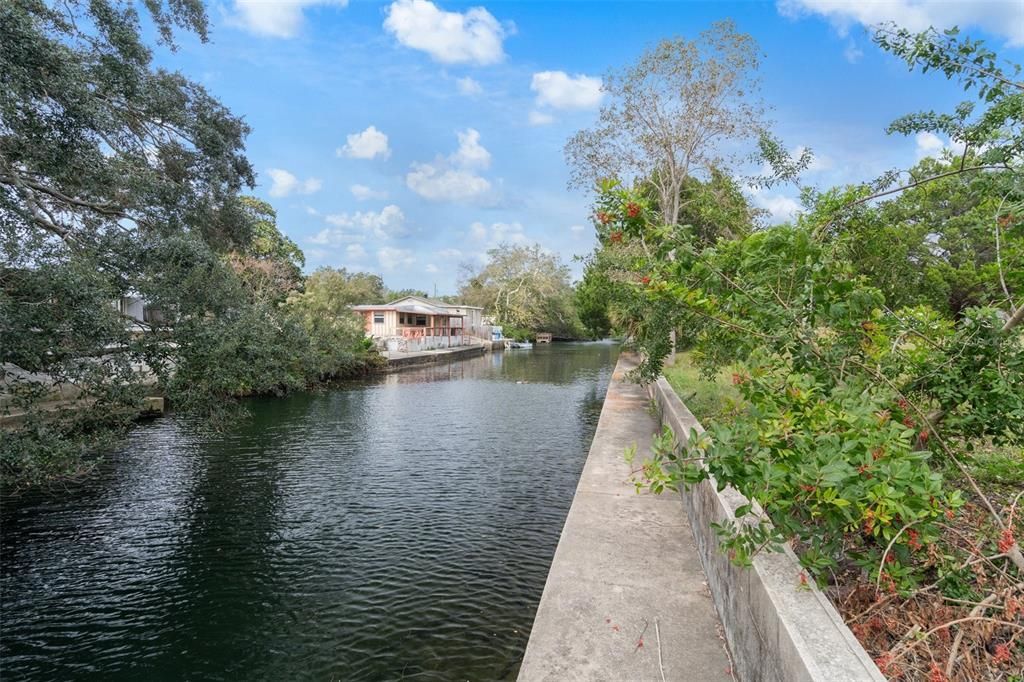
397, 528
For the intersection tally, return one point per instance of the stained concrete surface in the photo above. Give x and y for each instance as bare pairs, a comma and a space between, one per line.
626, 597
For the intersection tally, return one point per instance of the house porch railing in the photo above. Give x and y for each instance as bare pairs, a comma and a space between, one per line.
422, 332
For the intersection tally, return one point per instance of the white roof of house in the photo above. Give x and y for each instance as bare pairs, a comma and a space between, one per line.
419, 306
410, 307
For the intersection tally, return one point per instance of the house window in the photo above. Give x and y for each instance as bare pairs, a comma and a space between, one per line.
401, 318
421, 320
378, 318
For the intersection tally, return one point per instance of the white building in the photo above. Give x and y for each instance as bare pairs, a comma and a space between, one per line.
134, 307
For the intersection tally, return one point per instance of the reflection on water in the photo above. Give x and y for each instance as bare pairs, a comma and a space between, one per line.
397, 527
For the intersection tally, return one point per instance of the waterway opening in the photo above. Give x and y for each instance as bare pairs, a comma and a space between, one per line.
397, 527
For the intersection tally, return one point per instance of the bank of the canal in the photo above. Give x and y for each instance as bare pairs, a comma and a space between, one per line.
402, 525
626, 597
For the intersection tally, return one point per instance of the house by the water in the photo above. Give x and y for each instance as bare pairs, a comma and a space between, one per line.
413, 323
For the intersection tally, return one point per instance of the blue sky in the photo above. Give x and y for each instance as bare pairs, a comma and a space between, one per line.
407, 137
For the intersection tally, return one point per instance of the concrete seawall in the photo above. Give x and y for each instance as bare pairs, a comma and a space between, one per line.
625, 599
777, 630
400, 361
640, 590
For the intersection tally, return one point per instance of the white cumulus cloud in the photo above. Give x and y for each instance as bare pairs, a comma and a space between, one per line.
539, 118
431, 268
499, 233
471, 154
473, 36
355, 251
780, 208
930, 144
449, 254
355, 227
276, 18
468, 86
368, 144
284, 183
454, 178
478, 232
577, 230
438, 184
391, 258
559, 90
363, 193
1002, 18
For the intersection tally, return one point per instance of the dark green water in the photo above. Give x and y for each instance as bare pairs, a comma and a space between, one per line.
400, 527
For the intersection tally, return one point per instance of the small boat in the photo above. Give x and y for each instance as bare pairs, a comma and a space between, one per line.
513, 345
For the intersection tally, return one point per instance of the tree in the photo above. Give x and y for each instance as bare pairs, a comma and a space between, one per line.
593, 297
115, 179
98, 148
878, 347
332, 291
118, 179
336, 342
395, 294
947, 243
524, 287
992, 141
672, 116
270, 265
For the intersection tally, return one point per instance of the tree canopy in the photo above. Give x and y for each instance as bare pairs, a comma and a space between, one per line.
672, 116
120, 180
525, 287
877, 347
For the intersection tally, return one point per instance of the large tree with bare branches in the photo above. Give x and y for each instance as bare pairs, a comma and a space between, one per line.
684, 109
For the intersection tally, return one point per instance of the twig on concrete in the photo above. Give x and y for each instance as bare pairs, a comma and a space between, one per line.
661, 666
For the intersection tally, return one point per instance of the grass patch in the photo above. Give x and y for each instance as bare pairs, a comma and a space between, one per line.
998, 469
709, 399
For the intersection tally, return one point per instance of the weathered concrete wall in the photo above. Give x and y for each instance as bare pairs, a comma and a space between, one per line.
399, 361
776, 630
625, 599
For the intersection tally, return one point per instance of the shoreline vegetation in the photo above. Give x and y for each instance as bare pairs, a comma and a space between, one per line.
878, 622
860, 367
124, 181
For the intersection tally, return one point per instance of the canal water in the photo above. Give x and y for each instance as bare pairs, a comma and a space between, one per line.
395, 528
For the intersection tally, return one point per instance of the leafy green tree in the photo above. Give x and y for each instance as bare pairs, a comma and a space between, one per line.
332, 291
593, 298
953, 243
99, 148
269, 266
395, 294
108, 167
271, 263
337, 342
524, 287
875, 343
716, 209
118, 179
